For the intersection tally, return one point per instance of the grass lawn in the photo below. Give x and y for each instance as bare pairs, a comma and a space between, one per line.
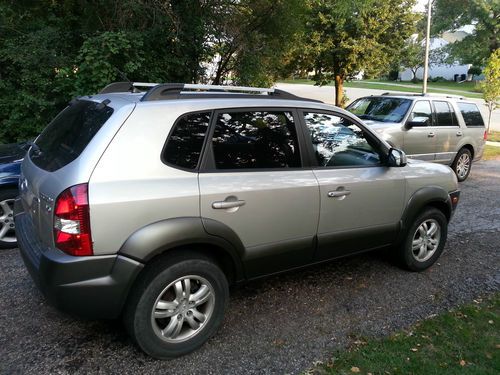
494, 136
466, 89
463, 341
491, 153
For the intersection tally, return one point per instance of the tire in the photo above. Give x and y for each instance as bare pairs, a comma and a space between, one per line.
156, 294
462, 164
7, 227
418, 258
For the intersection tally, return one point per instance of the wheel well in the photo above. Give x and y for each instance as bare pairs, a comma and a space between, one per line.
215, 253
441, 206
470, 148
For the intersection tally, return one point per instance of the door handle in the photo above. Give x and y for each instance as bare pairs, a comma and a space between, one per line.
338, 193
431, 134
459, 134
223, 205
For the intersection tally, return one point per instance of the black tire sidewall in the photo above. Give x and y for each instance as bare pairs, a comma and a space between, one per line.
138, 314
8, 193
455, 163
406, 250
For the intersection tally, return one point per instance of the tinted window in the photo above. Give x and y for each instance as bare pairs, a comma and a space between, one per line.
422, 109
471, 114
260, 139
184, 145
445, 115
339, 142
380, 109
64, 139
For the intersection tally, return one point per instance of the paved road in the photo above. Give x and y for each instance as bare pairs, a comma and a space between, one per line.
279, 325
326, 94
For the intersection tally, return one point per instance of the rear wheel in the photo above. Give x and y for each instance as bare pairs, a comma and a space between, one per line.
177, 305
7, 226
462, 164
424, 241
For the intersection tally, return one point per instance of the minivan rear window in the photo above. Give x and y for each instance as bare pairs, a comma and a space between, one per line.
471, 114
65, 138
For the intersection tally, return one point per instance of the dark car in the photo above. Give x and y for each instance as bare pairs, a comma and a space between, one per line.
11, 156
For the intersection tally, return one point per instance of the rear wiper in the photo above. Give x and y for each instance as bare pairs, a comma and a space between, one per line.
34, 147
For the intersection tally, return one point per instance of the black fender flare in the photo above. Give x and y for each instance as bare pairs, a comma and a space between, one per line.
158, 237
426, 196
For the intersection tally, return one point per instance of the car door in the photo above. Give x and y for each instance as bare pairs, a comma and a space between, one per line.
361, 199
447, 130
252, 182
420, 141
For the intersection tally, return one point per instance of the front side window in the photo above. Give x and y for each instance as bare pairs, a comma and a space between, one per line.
421, 112
380, 109
471, 114
184, 145
445, 116
255, 139
338, 142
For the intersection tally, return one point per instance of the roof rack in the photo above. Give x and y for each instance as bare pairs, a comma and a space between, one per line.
167, 91
450, 96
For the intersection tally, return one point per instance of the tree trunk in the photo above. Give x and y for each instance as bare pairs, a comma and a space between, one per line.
489, 119
339, 91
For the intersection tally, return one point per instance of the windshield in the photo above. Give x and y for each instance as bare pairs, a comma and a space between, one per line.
380, 109
64, 139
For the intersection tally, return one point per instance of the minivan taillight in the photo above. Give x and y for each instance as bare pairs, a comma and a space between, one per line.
72, 221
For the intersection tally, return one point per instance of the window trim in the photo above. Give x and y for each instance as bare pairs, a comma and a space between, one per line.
312, 158
203, 146
208, 160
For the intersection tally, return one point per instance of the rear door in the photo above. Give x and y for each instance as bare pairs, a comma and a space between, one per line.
447, 130
420, 141
361, 199
253, 182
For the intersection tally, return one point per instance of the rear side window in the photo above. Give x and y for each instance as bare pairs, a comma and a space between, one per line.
65, 138
471, 114
445, 115
260, 139
184, 145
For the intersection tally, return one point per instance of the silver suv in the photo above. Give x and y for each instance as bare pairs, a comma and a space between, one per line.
442, 129
149, 205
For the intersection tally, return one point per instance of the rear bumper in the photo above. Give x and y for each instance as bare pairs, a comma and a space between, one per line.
92, 287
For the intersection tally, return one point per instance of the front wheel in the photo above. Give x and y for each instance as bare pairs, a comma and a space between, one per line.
462, 164
7, 227
177, 306
424, 241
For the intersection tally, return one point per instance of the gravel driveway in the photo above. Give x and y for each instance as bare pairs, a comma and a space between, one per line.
278, 325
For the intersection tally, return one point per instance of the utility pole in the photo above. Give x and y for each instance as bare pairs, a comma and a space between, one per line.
427, 42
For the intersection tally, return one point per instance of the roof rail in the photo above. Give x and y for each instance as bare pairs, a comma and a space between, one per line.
125, 87
449, 96
185, 90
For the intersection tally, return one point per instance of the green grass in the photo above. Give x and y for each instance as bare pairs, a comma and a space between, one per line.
494, 136
463, 341
467, 89
491, 153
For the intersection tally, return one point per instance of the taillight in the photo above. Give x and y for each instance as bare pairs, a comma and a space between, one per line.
72, 221
485, 136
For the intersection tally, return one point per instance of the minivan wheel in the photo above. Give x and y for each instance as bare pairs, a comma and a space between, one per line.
424, 241
462, 164
176, 306
7, 226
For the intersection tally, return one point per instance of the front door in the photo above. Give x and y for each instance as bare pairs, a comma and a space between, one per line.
253, 183
361, 199
420, 141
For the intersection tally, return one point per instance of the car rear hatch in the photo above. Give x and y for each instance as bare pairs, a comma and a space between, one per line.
65, 154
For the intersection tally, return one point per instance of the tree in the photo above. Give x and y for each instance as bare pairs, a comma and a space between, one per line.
491, 84
451, 15
412, 57
348, 37
474, 71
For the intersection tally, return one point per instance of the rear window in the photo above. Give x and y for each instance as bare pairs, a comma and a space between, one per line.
471, 114
65, 138
184, 145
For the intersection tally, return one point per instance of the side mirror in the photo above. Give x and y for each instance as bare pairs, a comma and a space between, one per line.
397, 158
418, 121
